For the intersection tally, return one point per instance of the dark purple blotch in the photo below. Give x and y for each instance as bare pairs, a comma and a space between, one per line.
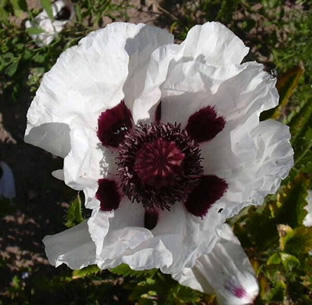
113, 124
108, 194
150, 218
158, 113
209, 189
204, 124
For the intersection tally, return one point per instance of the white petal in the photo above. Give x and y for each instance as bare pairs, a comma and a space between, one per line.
53, 137
308, 218
168, 247
226, 272
251, 157
106, 228
7, 183
98, 226
144, 105
214, 44
72, 247
58, 174
88, 79
87, 160
140, 49
253, 174
189, 237
154, 254
237, 92
211, 43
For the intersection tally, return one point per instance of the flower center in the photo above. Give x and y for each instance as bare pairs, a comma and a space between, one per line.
158, 164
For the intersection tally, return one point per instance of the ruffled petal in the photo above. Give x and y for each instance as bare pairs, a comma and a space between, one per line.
211, 44
140, 49
214, 44
88, 161
256, 161
226, 272
235, 92
97, 72
103, 224
73, 247
167, 246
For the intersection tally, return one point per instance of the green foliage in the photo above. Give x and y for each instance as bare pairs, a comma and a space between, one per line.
74, 213
47, 6
20, 56
151, 287
87, 271
125, 270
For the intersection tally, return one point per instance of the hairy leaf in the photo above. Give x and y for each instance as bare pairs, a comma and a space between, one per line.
74, 213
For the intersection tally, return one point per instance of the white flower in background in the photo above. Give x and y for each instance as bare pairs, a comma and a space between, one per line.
62, 13
226, 272
7, 183
308, 218
166, 143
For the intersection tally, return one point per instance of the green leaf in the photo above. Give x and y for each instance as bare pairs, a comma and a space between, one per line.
90, 270
291, 201
125, 270
289, 261
47, 5
303, 152
274, 259
298, 241
78, 12
74, 213
257, 227
278, 292
12, 68
286, 85
301, 121
34, 31
19, 6
4, 15
185, 294
284, 232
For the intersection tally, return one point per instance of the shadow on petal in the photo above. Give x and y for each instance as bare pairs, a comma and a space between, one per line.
53, 137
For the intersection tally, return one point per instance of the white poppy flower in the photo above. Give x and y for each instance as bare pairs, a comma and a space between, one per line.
226, 272
308, 218
62, 12
164, 140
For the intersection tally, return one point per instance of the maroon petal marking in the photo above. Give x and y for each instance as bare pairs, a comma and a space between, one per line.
113, 124
204, 124
150, 219
235, 289
208, 191
158, 113
108, 194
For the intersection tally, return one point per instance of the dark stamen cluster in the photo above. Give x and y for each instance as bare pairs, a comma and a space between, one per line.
183, 183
